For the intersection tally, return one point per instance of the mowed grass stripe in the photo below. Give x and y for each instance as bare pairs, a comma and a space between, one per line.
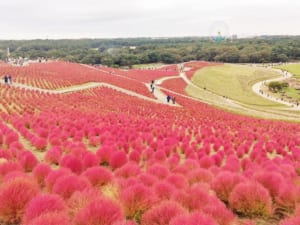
235, 82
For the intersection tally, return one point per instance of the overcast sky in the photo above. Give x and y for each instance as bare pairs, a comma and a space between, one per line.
28, 19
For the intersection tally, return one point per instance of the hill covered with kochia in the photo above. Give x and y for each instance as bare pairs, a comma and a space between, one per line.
99, 156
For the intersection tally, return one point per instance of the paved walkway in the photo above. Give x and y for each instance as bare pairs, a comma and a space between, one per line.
258, 87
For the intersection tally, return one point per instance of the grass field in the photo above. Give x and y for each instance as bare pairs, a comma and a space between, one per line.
235, 82
292, 68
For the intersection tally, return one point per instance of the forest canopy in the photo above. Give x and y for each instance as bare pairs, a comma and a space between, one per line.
131, 51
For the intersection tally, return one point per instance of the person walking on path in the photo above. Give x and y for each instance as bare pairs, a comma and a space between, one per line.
152, 86
5, 79
168, 98
9, 79
173, 99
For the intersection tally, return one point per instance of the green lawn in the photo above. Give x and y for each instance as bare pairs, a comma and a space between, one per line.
235, 82
292, 68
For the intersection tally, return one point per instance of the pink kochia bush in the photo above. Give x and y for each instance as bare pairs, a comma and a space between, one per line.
99, 212
66, 185
291, 221
98, 176
42, 204
51, 218
14, 196
53, 155
251, 199
80, 199
196, 218
72, 162
27, 160
118, 159
224, 183
162, 214
40, 172
136, 199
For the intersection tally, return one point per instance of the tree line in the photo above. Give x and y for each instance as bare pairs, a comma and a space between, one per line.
131, 51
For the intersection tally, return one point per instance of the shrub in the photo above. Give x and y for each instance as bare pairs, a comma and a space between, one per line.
251, 199
194, 198
104, 154
53, 155
219, 212
224, 183
270, 181
51, 218
8, 167
72, 162
178, 180
118, 159
54, 175
159, 171
136, 199
128, 170
99, 212
196, 218
162, 214
80, 199
66, 185
200, 175
163, 190
41, 204
90, 160
98, 176
40, 172
27, 160
14, 196
291, 221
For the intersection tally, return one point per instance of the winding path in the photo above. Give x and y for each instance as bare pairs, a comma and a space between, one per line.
258, 87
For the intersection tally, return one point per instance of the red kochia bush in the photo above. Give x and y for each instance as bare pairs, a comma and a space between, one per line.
291, 221
51, 218
89, 160
99, 212
14, 196
54, 175
40, 172
66, 185
251, 199
162, 214
41, 204
53, 155
136, 199
118, 159
224, 183
98, 175
73, 163
27, 160
164, 190
80, 199
270, 181
196, 218
219, 212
